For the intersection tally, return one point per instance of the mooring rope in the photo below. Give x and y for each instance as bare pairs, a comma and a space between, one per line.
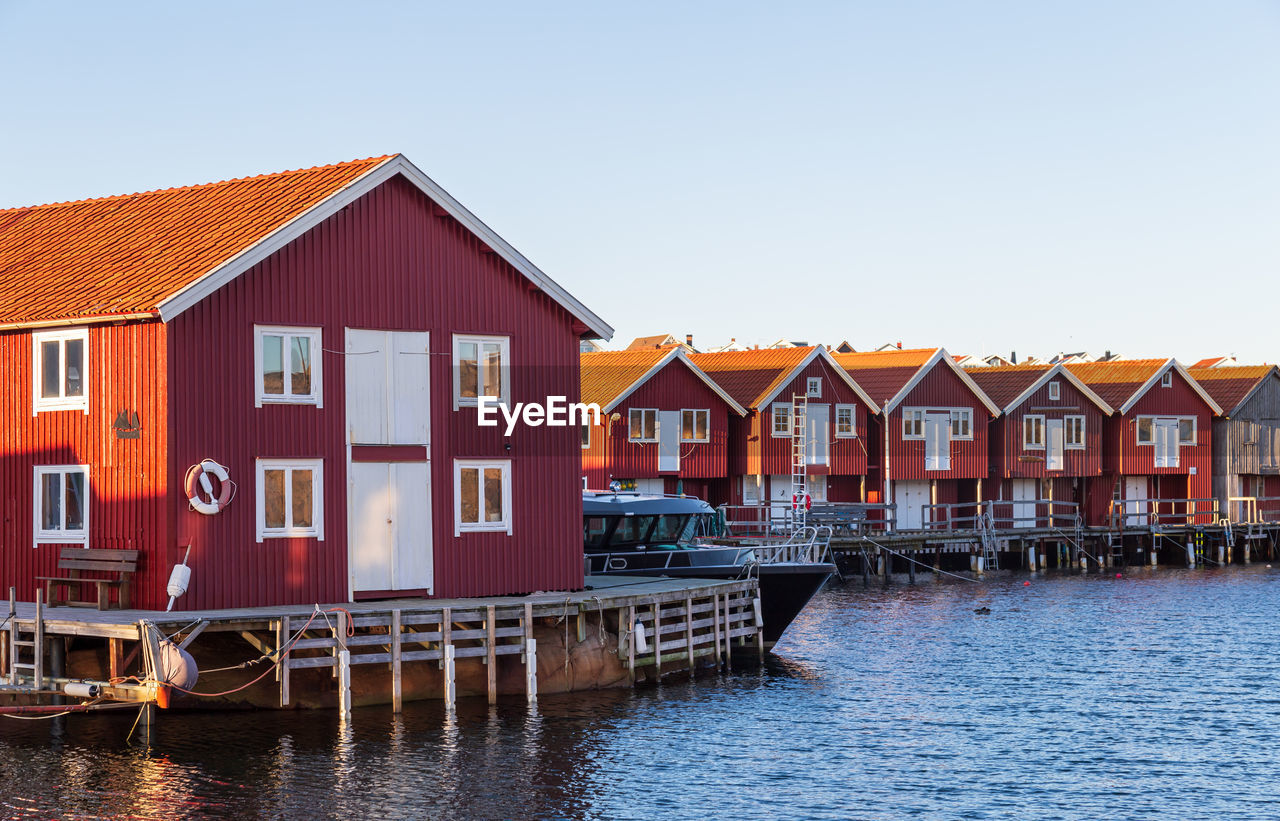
922, 564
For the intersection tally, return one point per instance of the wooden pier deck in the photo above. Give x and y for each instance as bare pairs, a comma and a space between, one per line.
662, 624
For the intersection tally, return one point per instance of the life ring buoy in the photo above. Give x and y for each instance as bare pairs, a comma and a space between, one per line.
796, 502
198, 480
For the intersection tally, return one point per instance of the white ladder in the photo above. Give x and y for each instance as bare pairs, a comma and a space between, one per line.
799, 458
990, 549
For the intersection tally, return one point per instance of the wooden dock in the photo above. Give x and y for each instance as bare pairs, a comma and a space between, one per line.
640, 627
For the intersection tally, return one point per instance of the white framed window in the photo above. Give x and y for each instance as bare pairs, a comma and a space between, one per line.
814, 386
1055, 391
287, 366
1146, 429
695, 425
586, 435
1166, 379
61, 511
1033, 432
781, 419
1074, 428
481, 367
642, 425
1186, 430
482, 496
962, 423
60, 370
913, 423
846, 421
290, 499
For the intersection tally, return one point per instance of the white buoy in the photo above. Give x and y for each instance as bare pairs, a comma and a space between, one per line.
637, 630
179, 579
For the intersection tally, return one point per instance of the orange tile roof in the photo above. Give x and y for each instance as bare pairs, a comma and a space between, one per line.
1116, 382
750, 376
1207, 363
606, 374
1230, 385
126, 254
883, 373
644, 343
1005, 383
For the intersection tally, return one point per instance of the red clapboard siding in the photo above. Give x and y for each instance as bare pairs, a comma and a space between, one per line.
848, 455
389, 261
940, 388
1006, 431
127, 477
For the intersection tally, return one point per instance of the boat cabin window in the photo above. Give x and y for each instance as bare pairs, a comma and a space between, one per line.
632, 530
595, 528
670, 529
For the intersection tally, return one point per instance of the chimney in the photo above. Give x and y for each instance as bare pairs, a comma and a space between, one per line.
688, 340
1013, 357
899, 344
1106, 357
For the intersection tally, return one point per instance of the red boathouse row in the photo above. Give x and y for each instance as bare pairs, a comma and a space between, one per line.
321, 333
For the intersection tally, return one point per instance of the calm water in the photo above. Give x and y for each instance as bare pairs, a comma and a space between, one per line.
1154, 695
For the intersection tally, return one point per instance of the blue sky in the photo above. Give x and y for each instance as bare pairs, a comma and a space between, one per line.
986, 176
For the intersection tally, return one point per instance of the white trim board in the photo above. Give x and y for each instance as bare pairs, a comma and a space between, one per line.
941, 355
1059, 370
819, 351
1155, 380
208, 283
675, 353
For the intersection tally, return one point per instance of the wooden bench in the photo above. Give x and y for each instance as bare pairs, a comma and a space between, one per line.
75, 560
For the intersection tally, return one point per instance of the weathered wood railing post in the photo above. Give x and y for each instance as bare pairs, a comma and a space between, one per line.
282, 659
397, 693
344, 668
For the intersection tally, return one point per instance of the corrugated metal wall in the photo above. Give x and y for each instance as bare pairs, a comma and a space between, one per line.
674, 388
1178, 400
1015, 461
390, 261
940, 388
848, 456
127, 477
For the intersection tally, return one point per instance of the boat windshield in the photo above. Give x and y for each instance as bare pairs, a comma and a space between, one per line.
595, 529
671, 530
631, 530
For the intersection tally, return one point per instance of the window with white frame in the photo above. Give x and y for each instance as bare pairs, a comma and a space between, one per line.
482, 495
913, 423
586, 435
642, 425
1146, 429
1166, 379
1186, 430
1033, 432
287, 366
695, 425
1074, 428
846, 421
481, 367
60, 368
61, 504
962, 423
781, 419
1055, 391
290, 499
814, 387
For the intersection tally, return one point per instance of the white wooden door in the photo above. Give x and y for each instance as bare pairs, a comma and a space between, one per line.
1135, 505
388, 503
819, 434
1055, 437
937, 441
1166, 436
911, 497
1024, 507
390, 526
668, 440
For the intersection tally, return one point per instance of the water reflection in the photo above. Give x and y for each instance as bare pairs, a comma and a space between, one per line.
1075, 697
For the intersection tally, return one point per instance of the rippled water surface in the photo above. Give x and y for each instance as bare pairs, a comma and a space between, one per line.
1153, 695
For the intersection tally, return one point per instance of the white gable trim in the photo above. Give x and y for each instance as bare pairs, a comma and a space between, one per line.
822, 352
941, 355
676, 353
1155, 379
1059, 370
204, 286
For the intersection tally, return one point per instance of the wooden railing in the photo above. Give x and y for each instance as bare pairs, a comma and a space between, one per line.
1148, 512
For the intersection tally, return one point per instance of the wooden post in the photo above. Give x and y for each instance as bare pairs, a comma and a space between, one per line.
12, 654
531, 669
728, 632
283, 660
344, 669
631, 644
450, 689
396, 691
759, 624
57, 663
657, 638
491, 656
688, 630
911, 566
39, 640
528, 625
446, 627
715, 618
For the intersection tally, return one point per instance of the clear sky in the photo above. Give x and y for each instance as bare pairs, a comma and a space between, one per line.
986, 176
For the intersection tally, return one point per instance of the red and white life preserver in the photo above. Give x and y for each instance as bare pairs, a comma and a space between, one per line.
797, 502
198, 480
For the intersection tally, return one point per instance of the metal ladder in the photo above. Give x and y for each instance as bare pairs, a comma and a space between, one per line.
1228, 534
34, 645
990, 549
799, 458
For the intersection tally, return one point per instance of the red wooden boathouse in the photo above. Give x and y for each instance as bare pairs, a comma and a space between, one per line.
664, 424
765, 382
322, 333
934, 429
1045, 446
1157, 446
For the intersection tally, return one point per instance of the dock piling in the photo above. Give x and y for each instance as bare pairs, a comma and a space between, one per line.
450, 686
397, 694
